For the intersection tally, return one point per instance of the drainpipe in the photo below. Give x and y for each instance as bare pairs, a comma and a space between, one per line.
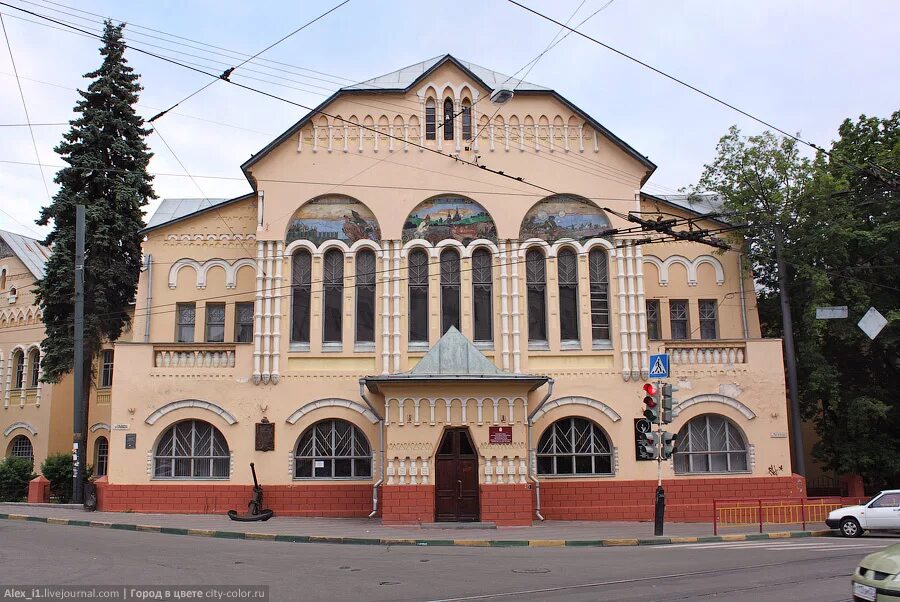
362, 393
743, 298
531, 475
149, 263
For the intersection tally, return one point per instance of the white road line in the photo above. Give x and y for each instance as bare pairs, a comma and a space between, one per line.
774, 545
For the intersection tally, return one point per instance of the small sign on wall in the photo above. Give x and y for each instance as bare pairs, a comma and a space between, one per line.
500, 435
265, 435
121, 427
779, 435
130, 440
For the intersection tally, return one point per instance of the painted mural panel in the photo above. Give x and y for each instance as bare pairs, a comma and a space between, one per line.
446, 217
564, 217
333, 218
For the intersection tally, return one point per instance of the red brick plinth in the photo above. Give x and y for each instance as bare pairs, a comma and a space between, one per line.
407, 504
507, 505
38, 490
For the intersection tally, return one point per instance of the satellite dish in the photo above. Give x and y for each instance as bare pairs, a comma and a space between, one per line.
501, 96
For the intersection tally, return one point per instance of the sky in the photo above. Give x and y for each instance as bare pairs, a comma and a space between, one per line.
802, 65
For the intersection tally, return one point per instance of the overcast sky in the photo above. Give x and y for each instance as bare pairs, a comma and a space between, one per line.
803, 65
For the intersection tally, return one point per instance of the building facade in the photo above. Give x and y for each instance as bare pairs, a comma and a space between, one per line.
384, 330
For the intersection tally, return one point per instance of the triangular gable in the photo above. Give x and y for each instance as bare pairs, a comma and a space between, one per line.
28, 250
455, 354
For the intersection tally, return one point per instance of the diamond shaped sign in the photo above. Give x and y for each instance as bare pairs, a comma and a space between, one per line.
872, 323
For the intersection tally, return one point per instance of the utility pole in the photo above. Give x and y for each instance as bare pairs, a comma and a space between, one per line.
78, 422
790, 359
659, 509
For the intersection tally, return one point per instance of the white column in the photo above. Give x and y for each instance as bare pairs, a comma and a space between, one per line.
516, 316
457, 124
632, 311
276, 327
267, 315
623, 309
257, 313
504, 311
642, 311
397, 310
385, 307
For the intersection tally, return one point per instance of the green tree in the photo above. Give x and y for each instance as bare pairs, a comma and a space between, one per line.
15, 474
107, 172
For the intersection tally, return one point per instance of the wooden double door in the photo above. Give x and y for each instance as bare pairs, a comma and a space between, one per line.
456, 478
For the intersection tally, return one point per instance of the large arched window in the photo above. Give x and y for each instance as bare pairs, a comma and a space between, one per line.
574, 446
482, 295
20, 447
448, 119
450, 290
536, 283
365, 297
467, 120
598, 265
418, 296
192, 449
710, 443
18, 369
101, 456
301, 290
333, 296
430, 120
34, 368
332, 449
567, 280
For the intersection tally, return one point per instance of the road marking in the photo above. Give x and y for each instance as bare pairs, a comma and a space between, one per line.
785, 545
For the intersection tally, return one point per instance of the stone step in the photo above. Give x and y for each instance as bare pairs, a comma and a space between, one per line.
452, 525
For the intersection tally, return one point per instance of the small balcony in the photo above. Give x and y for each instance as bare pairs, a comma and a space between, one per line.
703, 353
194, 355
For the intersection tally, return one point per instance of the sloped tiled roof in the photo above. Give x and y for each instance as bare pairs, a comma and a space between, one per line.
29, 251
170, 210
405, 77
698, 204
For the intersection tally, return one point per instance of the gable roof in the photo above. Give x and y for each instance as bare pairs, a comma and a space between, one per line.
29, 251
700, 205
404, 79
175, 210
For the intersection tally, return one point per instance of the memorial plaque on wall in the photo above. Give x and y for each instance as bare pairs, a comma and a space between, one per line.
499, 435
265, 435
130, 440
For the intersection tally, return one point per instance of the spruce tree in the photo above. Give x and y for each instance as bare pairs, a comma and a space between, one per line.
107, 161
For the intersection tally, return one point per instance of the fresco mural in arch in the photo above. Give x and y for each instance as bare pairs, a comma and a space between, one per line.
333, 218
564, 217
446, 217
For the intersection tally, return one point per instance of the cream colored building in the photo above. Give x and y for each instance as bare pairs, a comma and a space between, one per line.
430, 340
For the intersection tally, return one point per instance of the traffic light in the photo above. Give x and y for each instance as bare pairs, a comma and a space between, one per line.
667, 403
651, 400
647, 446
668, 444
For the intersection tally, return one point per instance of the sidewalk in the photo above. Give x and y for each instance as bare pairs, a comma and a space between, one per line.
372, 532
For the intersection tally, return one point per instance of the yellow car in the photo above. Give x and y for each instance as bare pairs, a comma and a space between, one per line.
877, 578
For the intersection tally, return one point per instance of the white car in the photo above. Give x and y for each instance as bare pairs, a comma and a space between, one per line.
881, 512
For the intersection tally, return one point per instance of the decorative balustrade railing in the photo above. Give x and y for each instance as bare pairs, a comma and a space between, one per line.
201, 355
694, 353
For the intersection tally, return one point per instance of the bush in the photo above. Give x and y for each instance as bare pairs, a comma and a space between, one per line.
15, 473
57, 469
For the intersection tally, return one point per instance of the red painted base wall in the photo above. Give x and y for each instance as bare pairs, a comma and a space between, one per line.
507, 505
407, 504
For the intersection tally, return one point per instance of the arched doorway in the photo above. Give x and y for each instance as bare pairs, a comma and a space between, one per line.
456, 478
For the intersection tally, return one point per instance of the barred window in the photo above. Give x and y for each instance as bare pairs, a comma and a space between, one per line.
430, 120
192, 449
709, 319
187, 317
333, 296
215, 322
598, 264
418, 296
482, 295
536, 284
448, 119
567, 278
20, 447
301, 290
243, 322
678, 318
101, 456
106, 368
365, 296
34, 362
450, 290
19, 369
654, 333
332, 449
710, 443
574, 446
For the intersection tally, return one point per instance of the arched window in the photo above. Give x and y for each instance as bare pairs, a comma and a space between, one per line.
101, 456
567, 279
34, 363
20, 447
365, 297
536, 283
19, 369
192, 449
574, 446
710, 443
598, 265
448, 119
418, 296
301, 288
430, 120
332, 449
333, 296
467, 120
3, 279
482, 295
450, 289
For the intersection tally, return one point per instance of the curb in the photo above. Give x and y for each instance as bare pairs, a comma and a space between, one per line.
389, 541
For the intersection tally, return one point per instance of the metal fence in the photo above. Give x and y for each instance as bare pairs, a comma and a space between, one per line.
774, 511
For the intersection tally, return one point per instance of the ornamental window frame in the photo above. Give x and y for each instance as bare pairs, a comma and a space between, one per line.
709, 319
107, 363
101, 456
567, 298
333, 299
734, 449
561, 443
322, 436
601, 316
217, 456
654, 321
243, 321
482, 297
301, 298
451, 289
34, 368
679, 319
418, 285
536, 298
214, 328
365, 268
21, 447
185, 322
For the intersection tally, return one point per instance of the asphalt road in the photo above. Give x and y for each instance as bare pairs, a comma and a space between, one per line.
798, 569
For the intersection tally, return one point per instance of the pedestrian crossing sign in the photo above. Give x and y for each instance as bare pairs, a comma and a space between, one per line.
659, 365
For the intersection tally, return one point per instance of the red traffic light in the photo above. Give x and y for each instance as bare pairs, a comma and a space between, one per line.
649, 389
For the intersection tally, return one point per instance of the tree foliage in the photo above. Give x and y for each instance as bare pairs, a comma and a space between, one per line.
15, 474
839, 213
107, 172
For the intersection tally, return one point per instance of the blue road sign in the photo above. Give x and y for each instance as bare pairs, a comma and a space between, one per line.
659, 365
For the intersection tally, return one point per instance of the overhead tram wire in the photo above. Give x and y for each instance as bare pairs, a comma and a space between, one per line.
694, 88
227, 73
